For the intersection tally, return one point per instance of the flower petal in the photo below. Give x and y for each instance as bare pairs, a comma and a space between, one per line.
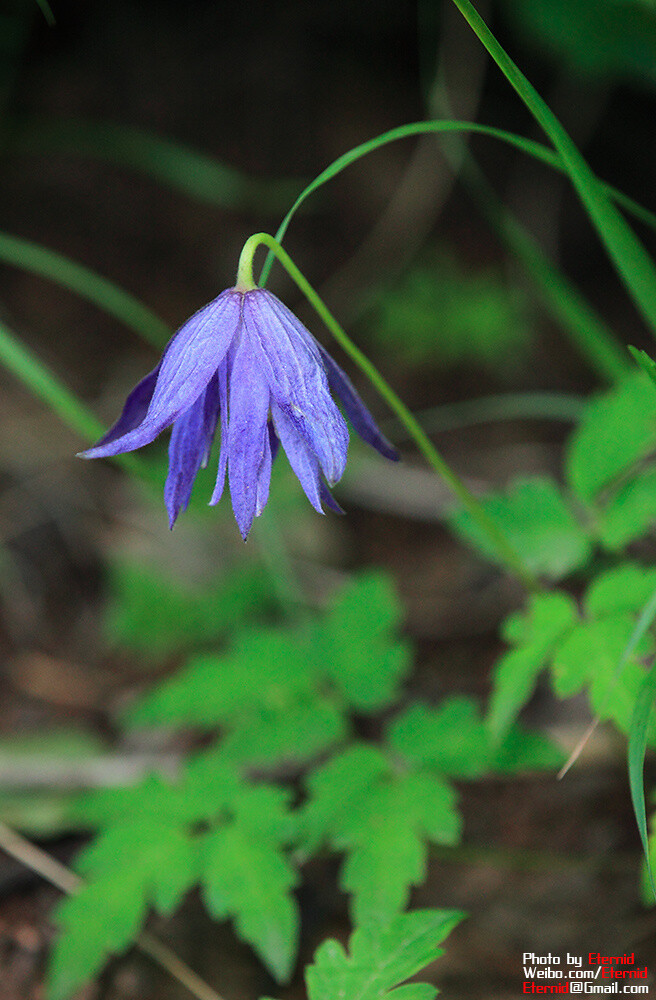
133, 413
248, 435
292, 365
188, 364
301, 459
360, 417
189, 448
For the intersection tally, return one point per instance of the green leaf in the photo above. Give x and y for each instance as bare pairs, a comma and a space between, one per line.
356, 642
538, 523
625, 588
630, 512
590, 656
443, 313
162, 856
264, 668
549, 618
381, 957
359, 803
617, 430
334, 790
424, 736
247, 877
385, 841
293, 734
152, 613
100, 920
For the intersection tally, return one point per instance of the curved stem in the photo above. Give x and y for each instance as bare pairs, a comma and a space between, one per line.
506, 551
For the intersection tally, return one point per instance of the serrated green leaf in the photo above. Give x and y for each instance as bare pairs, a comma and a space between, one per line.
360, 804
335, 788
248, 878
625, 588
524, 750
591, 656
265, 668
629, 513
385, 841
154, 614
381, 957
425, 736
536, 520
617, 430
356, 642
291, 735
102, 919
549, 618
163, 857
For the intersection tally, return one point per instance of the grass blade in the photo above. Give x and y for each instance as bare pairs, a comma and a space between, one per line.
627, 253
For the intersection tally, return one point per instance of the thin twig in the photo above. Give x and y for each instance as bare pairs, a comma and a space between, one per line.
57, 874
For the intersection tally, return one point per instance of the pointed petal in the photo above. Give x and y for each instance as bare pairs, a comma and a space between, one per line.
189, 448
301, 459
133, 413
189, 362
292, 366
356, 411
248, 435
329, 499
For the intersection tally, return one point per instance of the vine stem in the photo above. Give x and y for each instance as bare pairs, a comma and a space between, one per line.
475, 509
63, 878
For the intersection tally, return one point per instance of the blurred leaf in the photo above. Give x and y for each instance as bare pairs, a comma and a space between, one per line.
449, 316
153, 613
597, 38
356, 641
247, 877
627, 587
536, 633
359, 804
617, 430
629, 513
381, 957
589, 657
188, 171
100, 920
535, 518
424, 736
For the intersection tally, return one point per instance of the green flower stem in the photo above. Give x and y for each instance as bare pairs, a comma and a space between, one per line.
27, 368
505, 549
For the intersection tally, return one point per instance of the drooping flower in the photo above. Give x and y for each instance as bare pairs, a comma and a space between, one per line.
246, 363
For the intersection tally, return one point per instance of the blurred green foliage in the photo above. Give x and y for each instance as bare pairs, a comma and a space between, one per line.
444, 314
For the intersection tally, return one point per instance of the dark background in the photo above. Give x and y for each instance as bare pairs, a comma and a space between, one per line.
278, 90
